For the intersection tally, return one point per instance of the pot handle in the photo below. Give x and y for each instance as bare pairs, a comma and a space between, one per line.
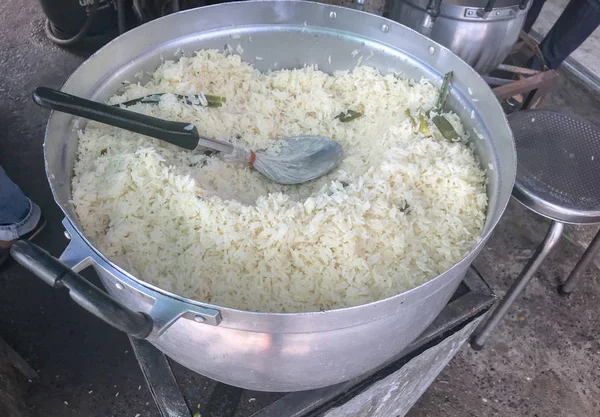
58, 275
431, 14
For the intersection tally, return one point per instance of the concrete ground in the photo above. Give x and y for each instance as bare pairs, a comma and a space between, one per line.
542, 361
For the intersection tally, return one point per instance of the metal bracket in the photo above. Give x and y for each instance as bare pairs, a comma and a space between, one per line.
165, 310
165, 313
494, 14
75, 257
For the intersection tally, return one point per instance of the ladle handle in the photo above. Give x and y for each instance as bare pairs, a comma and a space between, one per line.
184, 135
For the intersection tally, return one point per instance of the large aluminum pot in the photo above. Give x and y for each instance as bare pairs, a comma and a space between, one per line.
266, 351
483, 38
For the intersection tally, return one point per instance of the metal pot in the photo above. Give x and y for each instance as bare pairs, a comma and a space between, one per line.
68, 16
480, 32
267, 351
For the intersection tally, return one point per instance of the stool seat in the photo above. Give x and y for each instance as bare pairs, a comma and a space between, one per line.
558, 169
558, 176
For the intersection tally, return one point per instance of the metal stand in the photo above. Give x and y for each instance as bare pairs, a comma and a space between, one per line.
558, 179
577, 272
160, 379
419, 364
482, 333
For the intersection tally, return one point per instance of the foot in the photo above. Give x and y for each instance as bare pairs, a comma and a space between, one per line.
5, 246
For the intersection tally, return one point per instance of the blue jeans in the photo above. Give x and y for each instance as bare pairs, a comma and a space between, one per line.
18, 214
576, 23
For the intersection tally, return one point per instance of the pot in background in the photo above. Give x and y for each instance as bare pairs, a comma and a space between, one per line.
481, 33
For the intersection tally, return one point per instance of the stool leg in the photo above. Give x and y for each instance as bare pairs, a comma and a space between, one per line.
484, 331
577, 273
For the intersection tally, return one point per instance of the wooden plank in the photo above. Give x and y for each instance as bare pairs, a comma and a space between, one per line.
534, 101
517, 70
541, 80
496, 80
533, 46
517, 47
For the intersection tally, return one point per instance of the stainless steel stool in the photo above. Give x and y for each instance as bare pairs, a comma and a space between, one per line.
558, 177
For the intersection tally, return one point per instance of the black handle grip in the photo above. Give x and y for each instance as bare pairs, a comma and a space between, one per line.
489, 6
433, 8
56, 274
184, 135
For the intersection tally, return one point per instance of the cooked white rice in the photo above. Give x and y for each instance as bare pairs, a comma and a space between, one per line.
401, 208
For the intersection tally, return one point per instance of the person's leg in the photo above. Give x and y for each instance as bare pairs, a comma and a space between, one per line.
533, 14
576, 23
18, 215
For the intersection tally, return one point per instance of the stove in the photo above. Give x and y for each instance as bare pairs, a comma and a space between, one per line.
390, 390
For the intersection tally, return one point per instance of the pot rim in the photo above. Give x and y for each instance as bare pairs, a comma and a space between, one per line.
489, 226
